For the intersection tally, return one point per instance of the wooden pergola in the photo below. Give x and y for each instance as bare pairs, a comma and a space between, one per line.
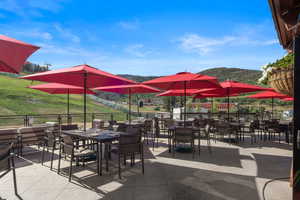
286, 17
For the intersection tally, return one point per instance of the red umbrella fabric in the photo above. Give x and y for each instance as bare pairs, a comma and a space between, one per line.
184, 80
83, 76
238, 87
14, 54
129, 89
58, 88
288, 99
77, 76
189, 92
268, 95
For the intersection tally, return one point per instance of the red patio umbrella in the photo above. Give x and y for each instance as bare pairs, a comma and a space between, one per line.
129, 89
58, 88
184, 81
268, 95
83, 76
14, 54
212, 93
234, 87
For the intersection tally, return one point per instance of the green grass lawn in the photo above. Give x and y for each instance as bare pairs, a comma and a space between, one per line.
17, 99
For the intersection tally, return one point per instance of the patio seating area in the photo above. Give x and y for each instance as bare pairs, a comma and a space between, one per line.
224, 167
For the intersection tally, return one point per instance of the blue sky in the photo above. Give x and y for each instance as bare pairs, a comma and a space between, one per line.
147, 37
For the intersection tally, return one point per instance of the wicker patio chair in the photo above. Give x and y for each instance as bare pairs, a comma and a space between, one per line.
130, 145
7, 162
50, 142
75, 151
183, 135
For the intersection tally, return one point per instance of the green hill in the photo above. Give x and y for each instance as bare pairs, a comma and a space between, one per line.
16, 99
236, 74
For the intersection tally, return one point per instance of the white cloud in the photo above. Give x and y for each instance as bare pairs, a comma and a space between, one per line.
25, 8
67, 34
137, 50
129, 25
203, 45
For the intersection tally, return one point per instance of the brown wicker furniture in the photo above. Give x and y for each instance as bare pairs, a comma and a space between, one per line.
183, 135
10, 135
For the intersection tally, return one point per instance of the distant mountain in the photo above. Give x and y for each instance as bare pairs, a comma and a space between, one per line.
222, 73
236, 74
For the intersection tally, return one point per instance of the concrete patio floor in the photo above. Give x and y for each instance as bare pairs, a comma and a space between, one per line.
230, 172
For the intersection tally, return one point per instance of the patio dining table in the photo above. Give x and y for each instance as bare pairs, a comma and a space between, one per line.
100, 137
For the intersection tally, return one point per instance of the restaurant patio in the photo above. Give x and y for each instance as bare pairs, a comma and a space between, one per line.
216, 152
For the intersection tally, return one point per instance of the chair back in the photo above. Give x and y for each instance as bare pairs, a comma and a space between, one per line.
184, 134
5, 150
68, 144
130, 143
69, 127
121, 127
50, 138
133, 130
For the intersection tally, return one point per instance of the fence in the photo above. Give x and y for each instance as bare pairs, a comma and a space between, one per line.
30, 120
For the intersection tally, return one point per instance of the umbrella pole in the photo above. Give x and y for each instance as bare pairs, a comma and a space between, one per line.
272, 107
68, 108
84, 101
228, 104
129, 106
184, 117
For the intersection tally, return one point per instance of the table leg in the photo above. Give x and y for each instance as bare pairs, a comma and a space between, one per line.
100, 144
98, 160
169, 140
106, 155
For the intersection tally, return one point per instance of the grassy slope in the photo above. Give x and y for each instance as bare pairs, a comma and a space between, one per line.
15, 98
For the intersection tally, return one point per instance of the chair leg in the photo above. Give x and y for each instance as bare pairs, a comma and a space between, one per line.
142, 159
14, 175
52, 156
120, 166
43, 154
70, 170
59, 159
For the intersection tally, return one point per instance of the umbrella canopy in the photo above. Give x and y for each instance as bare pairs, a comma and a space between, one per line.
14, 54
189, 92
129, 89
82, 75
58, 88
238, 87
288, 99
184, 80
269, 95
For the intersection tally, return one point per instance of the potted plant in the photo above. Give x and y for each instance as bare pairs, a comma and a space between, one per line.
279, 75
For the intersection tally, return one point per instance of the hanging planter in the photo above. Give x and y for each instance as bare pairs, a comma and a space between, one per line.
280, 75
281, 79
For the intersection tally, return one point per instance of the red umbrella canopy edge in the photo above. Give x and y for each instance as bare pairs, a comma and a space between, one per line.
14, 53
268, 95
58, 88
75, 76
184, 80
238, 87
129, 89
189, 92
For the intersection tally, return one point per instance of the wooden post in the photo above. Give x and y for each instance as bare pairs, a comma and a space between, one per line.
296, 150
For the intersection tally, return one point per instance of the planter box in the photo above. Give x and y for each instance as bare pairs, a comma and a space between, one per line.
282, 80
